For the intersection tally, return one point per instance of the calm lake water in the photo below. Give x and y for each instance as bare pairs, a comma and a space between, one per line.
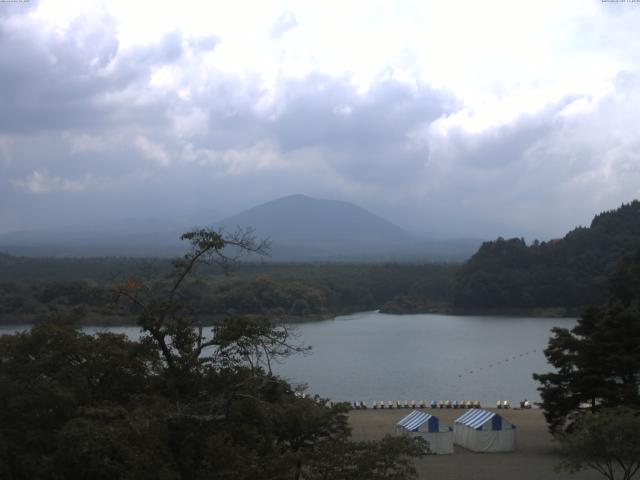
372, 356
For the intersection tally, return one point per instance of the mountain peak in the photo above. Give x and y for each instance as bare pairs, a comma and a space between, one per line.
295, 196
329, 225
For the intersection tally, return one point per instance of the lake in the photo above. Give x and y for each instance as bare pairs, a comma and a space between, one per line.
373, 356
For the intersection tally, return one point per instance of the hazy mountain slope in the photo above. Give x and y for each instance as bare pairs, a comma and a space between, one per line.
303, 228
300, 229
329, 225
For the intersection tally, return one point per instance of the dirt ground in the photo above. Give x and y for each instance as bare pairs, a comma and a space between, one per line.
534, 459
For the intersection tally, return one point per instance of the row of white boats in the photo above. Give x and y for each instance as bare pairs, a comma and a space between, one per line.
421, 404
502, 404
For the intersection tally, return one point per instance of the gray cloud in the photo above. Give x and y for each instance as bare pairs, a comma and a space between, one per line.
541, 174
364, 137
320, 111
50, 81
85, 135
80, 80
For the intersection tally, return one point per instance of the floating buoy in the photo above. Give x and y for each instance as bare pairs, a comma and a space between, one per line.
491, 365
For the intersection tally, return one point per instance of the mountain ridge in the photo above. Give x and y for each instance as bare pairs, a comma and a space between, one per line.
301, 228
318, 223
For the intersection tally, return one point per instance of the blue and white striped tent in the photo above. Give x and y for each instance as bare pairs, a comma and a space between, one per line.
484, 431
417, 419
427, 426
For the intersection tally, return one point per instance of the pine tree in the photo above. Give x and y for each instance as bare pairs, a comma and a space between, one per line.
598, 361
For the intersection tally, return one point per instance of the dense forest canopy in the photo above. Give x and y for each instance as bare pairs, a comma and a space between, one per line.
570, 272
32, 289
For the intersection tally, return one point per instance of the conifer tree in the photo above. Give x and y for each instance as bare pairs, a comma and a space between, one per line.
598, 361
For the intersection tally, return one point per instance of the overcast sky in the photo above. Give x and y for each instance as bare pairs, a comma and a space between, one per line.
474, 118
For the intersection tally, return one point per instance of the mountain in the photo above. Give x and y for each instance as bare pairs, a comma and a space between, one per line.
300, 229
308, 226
570, 272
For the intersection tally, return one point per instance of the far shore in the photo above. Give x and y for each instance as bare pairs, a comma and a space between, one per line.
96, 320
547, 312
535, 458
93, 319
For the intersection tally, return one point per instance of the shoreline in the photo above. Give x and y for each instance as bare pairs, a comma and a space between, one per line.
538, 312
117, 321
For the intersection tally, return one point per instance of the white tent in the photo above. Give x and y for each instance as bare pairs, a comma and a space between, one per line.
483, 431
427, 426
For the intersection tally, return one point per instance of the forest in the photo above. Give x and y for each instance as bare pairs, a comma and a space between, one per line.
567, 273
556, 277
33, 289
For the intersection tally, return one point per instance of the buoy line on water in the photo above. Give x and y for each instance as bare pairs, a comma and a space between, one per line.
498, 363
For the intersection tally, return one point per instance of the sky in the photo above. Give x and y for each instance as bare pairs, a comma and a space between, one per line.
473, 119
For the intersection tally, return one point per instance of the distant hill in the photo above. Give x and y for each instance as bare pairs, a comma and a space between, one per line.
300, 229
306, 228
570, 272
315, 227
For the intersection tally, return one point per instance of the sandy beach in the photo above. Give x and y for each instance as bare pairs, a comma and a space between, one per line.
534, 459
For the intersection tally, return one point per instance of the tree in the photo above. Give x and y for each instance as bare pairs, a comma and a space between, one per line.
51, 378
389, 458
181, 403
598, 361
167, 318
570, 272
606, 441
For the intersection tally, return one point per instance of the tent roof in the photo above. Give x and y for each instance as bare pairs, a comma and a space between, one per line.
475, 418
414, 420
